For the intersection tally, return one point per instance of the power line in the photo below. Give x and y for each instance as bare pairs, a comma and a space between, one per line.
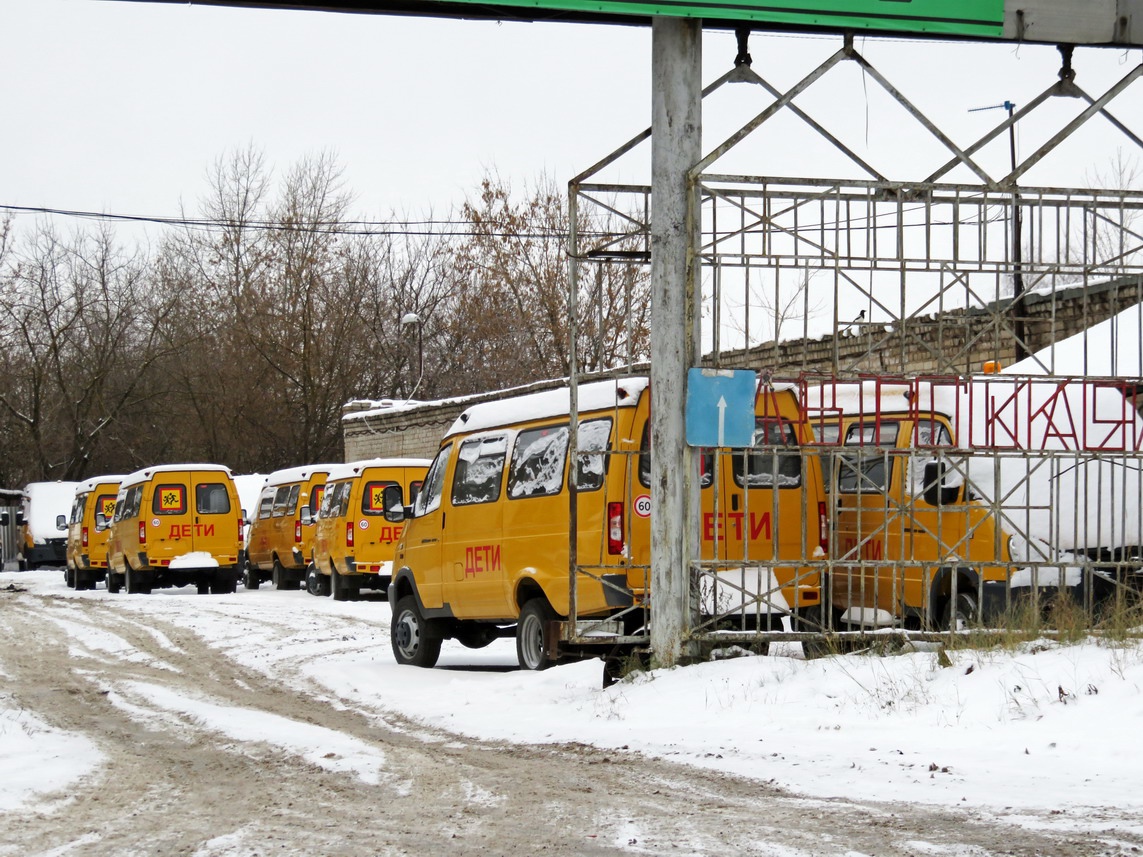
411, 228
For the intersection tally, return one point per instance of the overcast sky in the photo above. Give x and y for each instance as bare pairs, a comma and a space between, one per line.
122, 106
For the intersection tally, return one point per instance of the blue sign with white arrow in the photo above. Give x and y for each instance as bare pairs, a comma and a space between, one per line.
720, 407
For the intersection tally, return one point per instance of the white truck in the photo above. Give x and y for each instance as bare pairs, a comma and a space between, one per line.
43, 524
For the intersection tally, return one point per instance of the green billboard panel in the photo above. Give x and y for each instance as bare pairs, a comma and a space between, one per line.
979, 18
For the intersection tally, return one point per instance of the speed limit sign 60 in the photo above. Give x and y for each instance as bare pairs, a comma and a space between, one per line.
642, 505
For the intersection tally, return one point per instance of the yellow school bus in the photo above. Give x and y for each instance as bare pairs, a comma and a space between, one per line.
280, 542
88, 531
176, 525
957, 498
485, 552
354, 540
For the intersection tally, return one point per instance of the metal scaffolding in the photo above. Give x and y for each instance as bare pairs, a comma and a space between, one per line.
883, 300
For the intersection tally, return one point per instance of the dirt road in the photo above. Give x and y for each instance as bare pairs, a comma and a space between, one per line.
177, 784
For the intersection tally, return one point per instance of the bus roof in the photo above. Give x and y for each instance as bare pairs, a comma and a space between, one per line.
354, 468
549, 404
298, 474
147, 472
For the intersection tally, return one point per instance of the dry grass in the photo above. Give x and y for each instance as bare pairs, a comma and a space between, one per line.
1061, 618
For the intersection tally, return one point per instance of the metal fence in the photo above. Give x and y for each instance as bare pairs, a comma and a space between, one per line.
951, 496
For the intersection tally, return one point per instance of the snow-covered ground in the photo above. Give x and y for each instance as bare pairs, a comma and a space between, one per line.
1047, 729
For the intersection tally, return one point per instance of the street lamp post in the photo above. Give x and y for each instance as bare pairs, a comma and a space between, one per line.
412, 318
1017, 239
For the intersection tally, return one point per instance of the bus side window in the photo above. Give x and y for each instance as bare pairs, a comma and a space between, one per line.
538, 458
266, 503
479, 468
594, 442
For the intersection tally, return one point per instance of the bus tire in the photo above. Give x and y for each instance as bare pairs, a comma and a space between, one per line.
224, 582
812, 620
280, 581
416, 641
531, 628
961, 612
250, 578
337, 587
136, 583
316, 582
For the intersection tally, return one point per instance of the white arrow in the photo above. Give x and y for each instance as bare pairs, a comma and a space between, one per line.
721, 419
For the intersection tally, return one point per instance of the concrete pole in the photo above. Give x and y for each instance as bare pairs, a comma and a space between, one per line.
676, 146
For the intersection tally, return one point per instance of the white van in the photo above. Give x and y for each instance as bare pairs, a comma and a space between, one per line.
43, 523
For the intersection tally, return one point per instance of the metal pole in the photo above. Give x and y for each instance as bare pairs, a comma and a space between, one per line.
1019, 351
676, 146
1017, 249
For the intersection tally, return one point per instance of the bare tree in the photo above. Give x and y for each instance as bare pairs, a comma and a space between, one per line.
510, 319
82, 328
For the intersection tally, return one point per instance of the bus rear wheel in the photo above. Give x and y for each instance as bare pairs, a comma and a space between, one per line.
531, 635
961, 612
137, 582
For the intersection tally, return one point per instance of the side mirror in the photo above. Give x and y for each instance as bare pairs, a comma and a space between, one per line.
20, 520
61, 522
307, 516
3, 519
100, 522
937, 492
391, 499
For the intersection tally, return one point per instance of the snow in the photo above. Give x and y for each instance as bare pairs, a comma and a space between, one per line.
91, 484
147, 472
347, 471
319, 746
548, 404
195, 559
296, 474
37, 758
1043, 728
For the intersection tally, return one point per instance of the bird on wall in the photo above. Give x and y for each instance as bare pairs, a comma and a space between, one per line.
857, 321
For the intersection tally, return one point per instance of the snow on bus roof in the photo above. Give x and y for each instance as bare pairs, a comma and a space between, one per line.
147, 472
596, 396
89, 485
353, 468
297, 474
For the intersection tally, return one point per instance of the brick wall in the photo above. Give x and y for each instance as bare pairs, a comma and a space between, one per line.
958, 341
414, 431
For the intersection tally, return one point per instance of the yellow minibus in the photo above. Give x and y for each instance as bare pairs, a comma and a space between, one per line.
485, 552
